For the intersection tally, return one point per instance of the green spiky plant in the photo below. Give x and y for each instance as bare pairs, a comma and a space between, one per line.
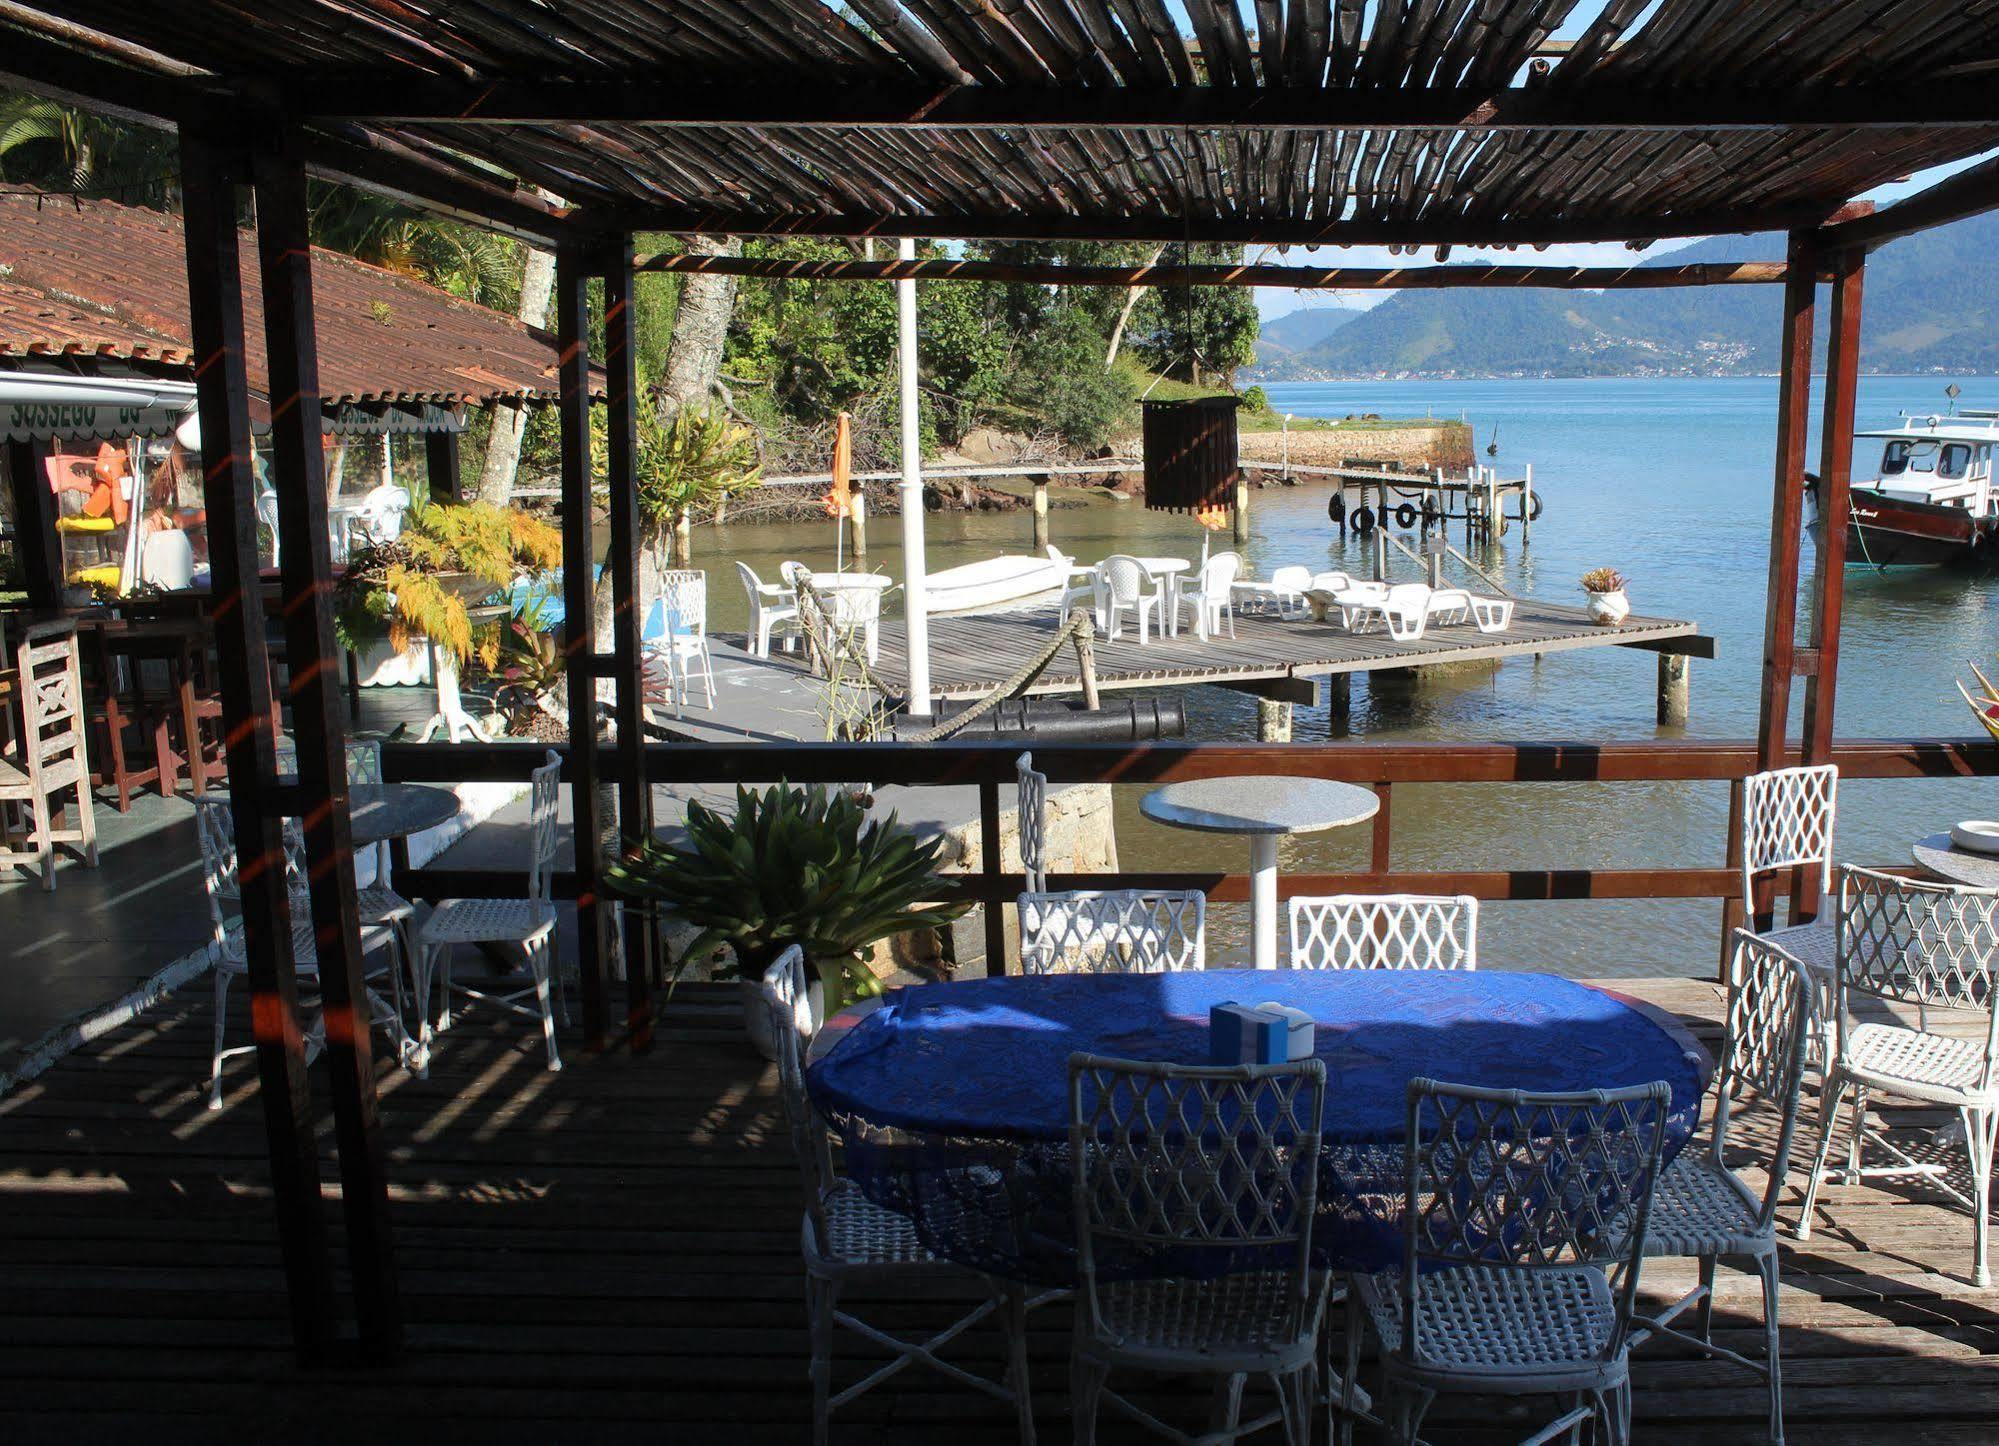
792, 866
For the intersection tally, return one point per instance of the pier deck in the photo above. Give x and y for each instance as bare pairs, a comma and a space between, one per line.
968, 655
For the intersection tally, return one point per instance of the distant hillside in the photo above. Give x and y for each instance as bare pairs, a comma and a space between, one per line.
1932, 304
1299, 331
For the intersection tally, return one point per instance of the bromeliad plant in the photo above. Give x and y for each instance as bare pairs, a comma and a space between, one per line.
1602, 579
1986, 706
792, 866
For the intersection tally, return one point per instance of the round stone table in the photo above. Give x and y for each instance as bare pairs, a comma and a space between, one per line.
384, 811
1955, 865
1265, 807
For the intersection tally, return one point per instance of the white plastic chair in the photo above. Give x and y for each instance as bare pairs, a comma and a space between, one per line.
528, 922
1931, 946
675, 639
848, 1240
1521, 1207
379, 518
1213, 595
1384, 931
1787, 822
1284, 593
215, 833
1404, 609
1113, 931
771, 607
1219, 1161
1079, 583
1031, 815
1123, 585
1702, 1209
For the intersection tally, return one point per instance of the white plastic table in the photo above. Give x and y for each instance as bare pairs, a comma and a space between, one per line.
1166, 572
1265, 807
857, 603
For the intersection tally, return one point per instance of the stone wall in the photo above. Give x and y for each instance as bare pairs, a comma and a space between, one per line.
1440, 444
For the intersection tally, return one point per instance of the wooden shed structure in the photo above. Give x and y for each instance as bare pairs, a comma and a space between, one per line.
1404, 122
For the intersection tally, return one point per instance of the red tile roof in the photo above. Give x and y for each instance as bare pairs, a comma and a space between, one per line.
96, 279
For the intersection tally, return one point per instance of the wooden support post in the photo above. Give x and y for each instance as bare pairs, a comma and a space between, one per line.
1829, 568
284, 251
621, 430
1273, 720
1674, 689
1787, 510
1040, 515
1383, 830
1345, 511
1732, 907
990, 866
1239, 514
1380, 541
222, 396
1339, 705
1433, 556
1086, 658
1526, 503
579, 634
37, 544
440, 466
857, 522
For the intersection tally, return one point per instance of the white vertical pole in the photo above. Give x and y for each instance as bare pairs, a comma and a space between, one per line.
915, 594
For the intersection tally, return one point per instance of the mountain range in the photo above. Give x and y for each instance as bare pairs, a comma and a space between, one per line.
1931, 305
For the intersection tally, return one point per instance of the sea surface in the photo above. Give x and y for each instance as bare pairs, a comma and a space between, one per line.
1669, 481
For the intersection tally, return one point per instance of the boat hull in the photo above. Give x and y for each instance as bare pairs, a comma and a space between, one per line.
996, 584
1890, 532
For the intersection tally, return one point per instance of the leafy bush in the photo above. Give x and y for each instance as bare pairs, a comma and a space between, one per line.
1062, 371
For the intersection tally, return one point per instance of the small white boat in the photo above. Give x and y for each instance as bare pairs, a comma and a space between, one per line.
1000, 582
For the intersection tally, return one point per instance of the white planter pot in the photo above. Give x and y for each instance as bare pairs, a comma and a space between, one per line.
757, 1019
1609, 608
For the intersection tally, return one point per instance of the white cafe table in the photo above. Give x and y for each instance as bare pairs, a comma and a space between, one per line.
1265, 807
1166, 572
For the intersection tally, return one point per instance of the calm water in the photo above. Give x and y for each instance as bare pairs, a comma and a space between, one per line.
1668, 481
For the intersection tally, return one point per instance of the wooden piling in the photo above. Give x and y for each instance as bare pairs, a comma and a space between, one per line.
1526, 501
857, 523
1273, 720
1674, 689
1240, 514
1040, 514
1339, 705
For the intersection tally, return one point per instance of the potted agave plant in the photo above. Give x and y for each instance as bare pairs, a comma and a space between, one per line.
791, 866
1608, 606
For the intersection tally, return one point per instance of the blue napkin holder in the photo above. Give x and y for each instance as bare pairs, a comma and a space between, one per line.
1300, 1032
1245, 1034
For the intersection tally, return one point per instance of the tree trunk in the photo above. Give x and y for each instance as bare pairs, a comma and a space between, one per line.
503, 447
1124, 313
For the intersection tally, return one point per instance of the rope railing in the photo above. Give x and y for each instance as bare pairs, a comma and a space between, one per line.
1080, 628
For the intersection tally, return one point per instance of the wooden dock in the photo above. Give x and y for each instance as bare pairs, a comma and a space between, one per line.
610, 1254
1268, 655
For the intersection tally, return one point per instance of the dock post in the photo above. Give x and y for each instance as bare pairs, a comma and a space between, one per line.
1675, 689
1495, 522
1341, 484
1273, 720
1240, 515
1433, 553
1526, 502
1040, 513
1339, 705
857, 522
1380, 554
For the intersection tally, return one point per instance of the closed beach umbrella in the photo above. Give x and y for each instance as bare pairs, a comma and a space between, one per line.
839, 497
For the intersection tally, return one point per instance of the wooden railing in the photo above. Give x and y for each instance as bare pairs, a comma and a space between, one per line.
989, 767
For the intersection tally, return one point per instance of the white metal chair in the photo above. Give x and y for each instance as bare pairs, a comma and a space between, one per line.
1123, 585
1284, 593
50, 759
771, 607
675, 639
528, 922
378, 902
1384, 931
1403, 608
1787, 822
848, 1240
1520, 1207
1930, 946
1221, 1161
215, 831
1113, 931
1702, 1208
1032, 823
1212, 597
1079, 583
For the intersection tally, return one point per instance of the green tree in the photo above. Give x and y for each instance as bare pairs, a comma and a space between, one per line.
1203, 331
1063, 377
47, 144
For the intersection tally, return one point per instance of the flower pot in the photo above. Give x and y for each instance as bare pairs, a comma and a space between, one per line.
757, 1018
1607, 609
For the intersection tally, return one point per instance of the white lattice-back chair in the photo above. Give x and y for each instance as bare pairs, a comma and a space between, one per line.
1216, 1167
47, 770
528, 923
1787, 823
848, 1240
364, 765
1384, 931
1702, 1208
1032, 813
1925, 946
676, 638
215, 833
1123, 585
1113, 931
1524, 1218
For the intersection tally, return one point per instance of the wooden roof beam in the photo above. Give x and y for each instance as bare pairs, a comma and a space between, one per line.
1971, 192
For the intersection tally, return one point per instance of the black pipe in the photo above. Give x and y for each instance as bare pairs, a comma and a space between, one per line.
1146, 719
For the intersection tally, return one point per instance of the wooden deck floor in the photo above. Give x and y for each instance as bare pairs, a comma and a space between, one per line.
610, 1253
970, 654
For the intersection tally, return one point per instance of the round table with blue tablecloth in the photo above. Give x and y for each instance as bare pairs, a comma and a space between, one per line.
952, 1099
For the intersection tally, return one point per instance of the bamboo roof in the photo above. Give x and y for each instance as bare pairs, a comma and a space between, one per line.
1414, 121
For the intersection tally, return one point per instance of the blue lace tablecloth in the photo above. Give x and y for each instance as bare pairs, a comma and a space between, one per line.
952, 1099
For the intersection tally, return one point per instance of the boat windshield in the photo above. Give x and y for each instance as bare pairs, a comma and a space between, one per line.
1902, 456
1955, 461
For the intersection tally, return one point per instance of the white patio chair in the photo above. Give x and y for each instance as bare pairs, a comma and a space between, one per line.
1702, 1208
47, 769
1931, 946
1403, 608
1031, 812
1212, 597
1123, 585
675, 640
848, 1240
215, 833
1223, 1162
771, 607
1384, 931
1521, 1206
529, 923
379, 517
1787, 822
1283, 594
1113, 931
1079, 583
378, 902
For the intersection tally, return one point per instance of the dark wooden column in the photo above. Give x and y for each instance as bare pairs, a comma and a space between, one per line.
621, 485
36, 542
1794, 384
320, 796
222, 395
1821, 659
440, 465
579, 633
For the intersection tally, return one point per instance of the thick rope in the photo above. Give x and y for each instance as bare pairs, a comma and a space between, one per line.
1079, 627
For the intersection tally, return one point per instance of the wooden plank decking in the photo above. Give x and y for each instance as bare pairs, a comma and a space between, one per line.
968, 655
610, 1253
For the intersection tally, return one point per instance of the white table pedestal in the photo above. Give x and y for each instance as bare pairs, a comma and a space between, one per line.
450, 715
1263, 898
